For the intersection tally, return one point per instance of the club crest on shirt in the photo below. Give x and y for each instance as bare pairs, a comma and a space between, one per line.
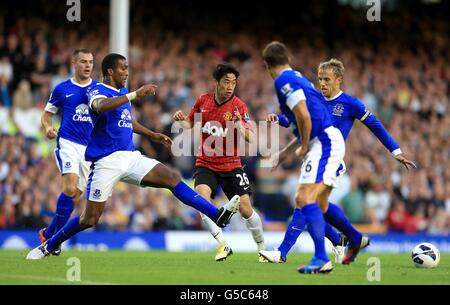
227, 116
338, 109
97, 194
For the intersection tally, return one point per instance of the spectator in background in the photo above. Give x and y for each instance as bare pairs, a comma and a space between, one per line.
377, 201
388, 75
22, 97
353, 203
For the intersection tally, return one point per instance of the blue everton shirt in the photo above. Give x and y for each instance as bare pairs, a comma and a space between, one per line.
344, 110
291, 87
72, 99
113, 130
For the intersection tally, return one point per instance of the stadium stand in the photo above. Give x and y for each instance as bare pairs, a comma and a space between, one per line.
403, 79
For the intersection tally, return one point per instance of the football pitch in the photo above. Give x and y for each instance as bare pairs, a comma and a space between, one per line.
199, 268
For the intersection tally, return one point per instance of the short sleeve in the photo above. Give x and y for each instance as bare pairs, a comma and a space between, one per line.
195, 109
54, 101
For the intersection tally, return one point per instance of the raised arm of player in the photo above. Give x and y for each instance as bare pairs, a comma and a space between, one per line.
103, 104
154, 136
377, 128
179, 116
304, 126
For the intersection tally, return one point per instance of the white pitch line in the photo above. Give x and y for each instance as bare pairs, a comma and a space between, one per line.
53, 279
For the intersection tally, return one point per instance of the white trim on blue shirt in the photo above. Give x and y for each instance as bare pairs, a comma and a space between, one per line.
110, 87
334, 97
72, 80
51, 108
295, 97
396, 152
365, 115
95, 97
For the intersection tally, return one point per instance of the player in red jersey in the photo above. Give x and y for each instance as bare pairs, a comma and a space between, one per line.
223, 116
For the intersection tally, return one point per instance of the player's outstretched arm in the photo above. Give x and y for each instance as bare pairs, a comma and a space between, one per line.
179, 116
304, 126
153, 136
107, 104
46, 123
377, 128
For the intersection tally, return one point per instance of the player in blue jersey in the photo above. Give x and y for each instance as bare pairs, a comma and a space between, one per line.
114, 158
70, 97
322, 149
344, 109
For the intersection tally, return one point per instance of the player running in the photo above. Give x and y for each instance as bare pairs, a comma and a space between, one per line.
322, 149
344, 109
71, 98
221, 165
114, 158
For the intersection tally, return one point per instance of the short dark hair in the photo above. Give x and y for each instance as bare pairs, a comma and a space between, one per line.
81, 50
275, 54
223, 69
110, 62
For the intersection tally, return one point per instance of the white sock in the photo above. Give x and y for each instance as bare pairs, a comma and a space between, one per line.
254, 224
211, 226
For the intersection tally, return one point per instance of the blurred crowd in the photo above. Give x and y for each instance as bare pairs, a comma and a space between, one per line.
399, 67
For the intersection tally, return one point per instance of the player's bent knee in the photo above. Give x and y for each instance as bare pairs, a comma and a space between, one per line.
88, 221
300, 200
174, 178
71, 191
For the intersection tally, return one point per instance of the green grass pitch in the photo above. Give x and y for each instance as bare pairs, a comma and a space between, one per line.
158, 267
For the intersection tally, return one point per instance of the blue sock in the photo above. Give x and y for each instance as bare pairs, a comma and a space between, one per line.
336, 217
71, 228
332, 234
64, 208
188, 196
293, 231
316, 228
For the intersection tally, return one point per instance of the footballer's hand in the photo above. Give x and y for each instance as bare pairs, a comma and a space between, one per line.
237, 116
51, 133
162, 138
400, 158
146, 90
272, 118
179, 116
301, 152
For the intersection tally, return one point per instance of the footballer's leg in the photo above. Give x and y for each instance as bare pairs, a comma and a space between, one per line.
252, 221
306, 199
164, 177
223, 250
64, 207
336, 217
88, 219
236, 182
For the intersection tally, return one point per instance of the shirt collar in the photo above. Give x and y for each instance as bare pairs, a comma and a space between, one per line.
111, 87
80, 85
334, 97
